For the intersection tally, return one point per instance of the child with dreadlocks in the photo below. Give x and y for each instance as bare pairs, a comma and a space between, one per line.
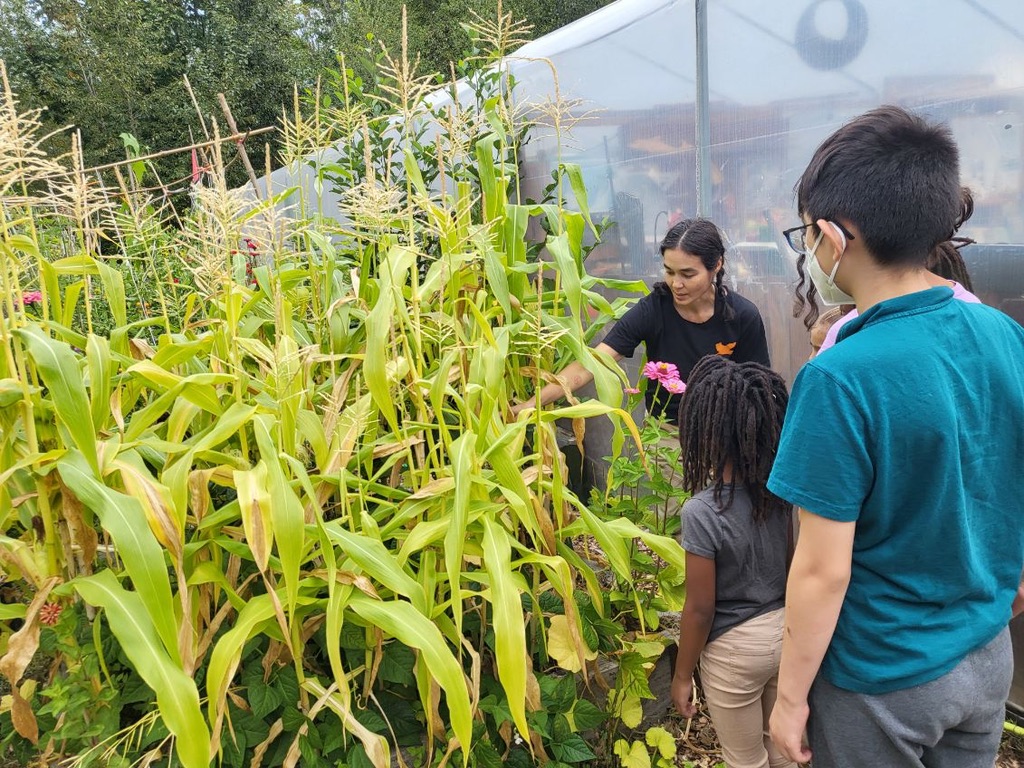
737, 537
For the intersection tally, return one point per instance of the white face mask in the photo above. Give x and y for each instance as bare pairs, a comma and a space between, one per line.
831, 294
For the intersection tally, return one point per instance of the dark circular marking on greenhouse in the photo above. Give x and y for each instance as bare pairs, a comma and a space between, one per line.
821, 52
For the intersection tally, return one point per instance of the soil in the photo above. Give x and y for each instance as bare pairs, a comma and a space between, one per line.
699, 748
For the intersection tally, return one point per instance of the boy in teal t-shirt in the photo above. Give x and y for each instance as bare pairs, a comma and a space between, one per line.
903, 448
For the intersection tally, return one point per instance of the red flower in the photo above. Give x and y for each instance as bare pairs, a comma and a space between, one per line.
50, 613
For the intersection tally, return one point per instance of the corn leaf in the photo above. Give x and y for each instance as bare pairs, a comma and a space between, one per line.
509, 626
59, 370
176, 694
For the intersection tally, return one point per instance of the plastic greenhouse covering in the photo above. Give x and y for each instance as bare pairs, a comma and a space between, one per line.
780, 77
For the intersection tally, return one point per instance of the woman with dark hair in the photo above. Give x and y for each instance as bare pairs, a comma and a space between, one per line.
687, 316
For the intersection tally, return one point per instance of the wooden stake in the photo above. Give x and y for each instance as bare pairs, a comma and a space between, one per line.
240, 146
163, 153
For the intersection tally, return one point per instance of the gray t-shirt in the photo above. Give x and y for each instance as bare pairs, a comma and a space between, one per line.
750, 557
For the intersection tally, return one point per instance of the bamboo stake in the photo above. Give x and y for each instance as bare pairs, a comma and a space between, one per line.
163, 153
240, 146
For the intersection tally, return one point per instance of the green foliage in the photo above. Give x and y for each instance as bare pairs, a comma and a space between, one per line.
75, 60
287, 502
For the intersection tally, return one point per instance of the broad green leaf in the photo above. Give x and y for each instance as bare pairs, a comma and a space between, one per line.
113, 291
58, 368
198, 389
573, 749
509, 626
122, 517
227, 654
176, 694
10, 612
286, 514
402, 621
587, 716
97, 352
393, 273
378, 562
463, 469
579, 190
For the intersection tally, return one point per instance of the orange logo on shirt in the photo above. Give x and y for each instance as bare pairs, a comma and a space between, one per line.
725, 349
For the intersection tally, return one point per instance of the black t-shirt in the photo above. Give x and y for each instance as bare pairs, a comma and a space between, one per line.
669, 338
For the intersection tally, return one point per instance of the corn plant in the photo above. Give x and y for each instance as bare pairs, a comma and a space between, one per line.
289, 498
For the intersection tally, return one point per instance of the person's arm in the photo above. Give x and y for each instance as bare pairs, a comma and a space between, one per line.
1018, 600
694, 625
573, 376
815, 591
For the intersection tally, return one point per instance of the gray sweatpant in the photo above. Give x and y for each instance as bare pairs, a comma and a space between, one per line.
955, 721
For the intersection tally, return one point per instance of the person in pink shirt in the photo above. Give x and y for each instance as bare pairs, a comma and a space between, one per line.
946, 267
947, 264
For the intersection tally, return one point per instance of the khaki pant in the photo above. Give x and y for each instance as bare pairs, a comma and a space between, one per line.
740, 674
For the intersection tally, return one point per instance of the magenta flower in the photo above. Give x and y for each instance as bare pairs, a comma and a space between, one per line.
656, 371
31, 297
675, 386
631, 391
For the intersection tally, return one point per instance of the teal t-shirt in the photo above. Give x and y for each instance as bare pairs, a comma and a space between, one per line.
913, 427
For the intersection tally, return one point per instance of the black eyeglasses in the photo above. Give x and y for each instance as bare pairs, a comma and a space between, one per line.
797, 236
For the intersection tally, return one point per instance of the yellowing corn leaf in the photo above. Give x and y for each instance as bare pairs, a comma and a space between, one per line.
254, 504
21, 647
162, 520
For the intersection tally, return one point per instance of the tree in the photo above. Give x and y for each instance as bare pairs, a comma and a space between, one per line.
109, 67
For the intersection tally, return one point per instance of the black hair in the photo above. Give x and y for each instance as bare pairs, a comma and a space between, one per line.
701, 238
731, 414
947, 262
896, 178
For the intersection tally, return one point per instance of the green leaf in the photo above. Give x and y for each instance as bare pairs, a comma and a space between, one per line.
113, 290
568, 270
403, 621
509, 626
9, 612
378, 562
396, 665
357, 757
586, 715
572, 750
176, 693
123, 518
58, 368
263, 699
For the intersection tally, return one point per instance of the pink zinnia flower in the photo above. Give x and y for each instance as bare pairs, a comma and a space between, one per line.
675, 386
31, 297
631, 391
656, 371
